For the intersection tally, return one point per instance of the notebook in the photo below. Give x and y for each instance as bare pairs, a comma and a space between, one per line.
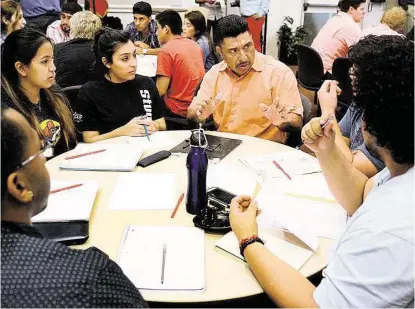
218, 147
141, 257
158, 140
144, 191
116, 157
293, 255
66, 217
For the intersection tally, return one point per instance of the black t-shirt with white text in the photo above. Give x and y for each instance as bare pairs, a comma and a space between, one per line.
104, 106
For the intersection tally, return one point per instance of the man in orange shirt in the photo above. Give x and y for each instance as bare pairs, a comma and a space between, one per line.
247, 93
340, 32
180, 65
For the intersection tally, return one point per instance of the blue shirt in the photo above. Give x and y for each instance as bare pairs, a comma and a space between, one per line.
33, 8
372, 263
152, 38
252, 7
351, 127
208, 56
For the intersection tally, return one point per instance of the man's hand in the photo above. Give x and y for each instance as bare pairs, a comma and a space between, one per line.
256, 16
327, 96
242, 217
272, 113
141, 44
316, 138
206, 108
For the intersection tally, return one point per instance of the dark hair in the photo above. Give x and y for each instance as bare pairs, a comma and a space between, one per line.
8, 9
229, 27
106, 42
13, 139
71, 8
198, 20
384, 86
172, 19
344, 5
142, 8
22, 45
112, 22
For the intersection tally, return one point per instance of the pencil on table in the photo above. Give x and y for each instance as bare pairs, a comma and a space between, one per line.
177, 205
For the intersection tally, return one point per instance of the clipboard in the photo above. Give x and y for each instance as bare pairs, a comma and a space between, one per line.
218, 147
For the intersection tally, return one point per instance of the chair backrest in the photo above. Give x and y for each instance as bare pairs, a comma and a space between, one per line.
310, 66
307, 106
71, 94
341, 67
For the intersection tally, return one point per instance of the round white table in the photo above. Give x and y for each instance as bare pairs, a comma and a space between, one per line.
227, 277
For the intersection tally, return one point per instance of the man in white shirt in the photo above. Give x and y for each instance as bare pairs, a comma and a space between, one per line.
372, 263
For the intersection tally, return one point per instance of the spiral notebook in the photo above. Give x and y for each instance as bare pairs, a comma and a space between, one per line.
141, 257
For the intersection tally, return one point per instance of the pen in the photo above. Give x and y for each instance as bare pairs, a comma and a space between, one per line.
322, 126
177, 205
66, 188
85, 154
163, 263
281, 169
145, 129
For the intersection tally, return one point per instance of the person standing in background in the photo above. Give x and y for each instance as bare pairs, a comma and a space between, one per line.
254, 12
39, 14
215, 12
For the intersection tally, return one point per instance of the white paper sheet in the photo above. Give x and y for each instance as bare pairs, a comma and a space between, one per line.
291, 254
158, 140
71, 204
235, 180
140, 257
147, 65
143, 191
116, 157
293, 162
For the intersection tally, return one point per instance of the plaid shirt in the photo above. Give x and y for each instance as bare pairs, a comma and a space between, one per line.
151, 39
56, 34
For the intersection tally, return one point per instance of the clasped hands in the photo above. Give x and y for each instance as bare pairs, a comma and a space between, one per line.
135, 127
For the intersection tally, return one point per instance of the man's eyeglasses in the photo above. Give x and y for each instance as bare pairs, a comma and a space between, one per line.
46, 149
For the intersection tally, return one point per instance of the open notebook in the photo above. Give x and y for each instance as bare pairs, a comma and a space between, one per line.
293, 255
112, 157
141, 257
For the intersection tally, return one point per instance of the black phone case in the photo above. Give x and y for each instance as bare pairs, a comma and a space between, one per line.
154, 158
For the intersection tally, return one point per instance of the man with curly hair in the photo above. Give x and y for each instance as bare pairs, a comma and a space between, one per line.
372, 263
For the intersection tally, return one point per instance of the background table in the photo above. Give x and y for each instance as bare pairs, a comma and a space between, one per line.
227, 277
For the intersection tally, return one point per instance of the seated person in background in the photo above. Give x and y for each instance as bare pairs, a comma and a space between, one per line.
392, 23
180, 66
143, 30
28, 85
247, 93
340, 32
349, 135
74, 59
59, 30
11, 18
111, 105
112, 22
372, 263
48, 274
194, 28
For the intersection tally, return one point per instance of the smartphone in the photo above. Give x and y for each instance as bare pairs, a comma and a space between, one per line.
220, 197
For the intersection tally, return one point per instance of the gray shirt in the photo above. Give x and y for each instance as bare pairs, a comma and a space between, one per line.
372, 263
351, 127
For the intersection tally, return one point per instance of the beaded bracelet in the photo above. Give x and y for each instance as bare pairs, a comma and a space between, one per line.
247, 241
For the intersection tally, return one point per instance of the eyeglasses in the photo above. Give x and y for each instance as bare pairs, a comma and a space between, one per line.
46, 144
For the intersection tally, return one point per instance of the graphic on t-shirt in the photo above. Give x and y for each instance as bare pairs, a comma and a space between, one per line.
51, 129
145, 94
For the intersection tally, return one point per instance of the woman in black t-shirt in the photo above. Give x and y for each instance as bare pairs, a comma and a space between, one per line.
116, 103
28, 86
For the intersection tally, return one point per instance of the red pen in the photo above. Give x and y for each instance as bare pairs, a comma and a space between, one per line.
85, 154
281, 169
177, 205
66, 188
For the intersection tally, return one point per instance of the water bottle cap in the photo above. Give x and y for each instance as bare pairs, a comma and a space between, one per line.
198, 138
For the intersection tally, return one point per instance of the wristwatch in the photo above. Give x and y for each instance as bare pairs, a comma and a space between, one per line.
145, 50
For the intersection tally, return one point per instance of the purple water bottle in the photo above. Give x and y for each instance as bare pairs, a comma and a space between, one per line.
197, 164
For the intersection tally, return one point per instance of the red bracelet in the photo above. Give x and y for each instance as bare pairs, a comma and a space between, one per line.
248, 238
248, 241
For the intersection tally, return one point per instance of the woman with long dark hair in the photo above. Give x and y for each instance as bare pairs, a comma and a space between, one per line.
28, 86
11, 18
194, 27
116, 102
